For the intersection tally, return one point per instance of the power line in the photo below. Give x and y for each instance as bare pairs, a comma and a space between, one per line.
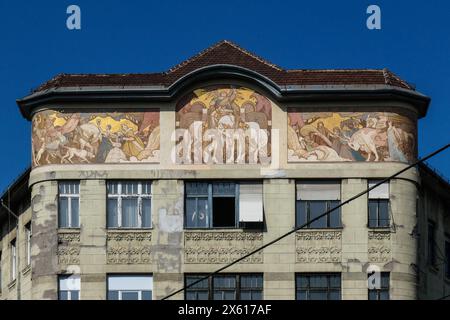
306, 224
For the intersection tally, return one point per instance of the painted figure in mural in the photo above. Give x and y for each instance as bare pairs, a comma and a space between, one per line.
105, 144
116, 155
132, 145
352, 136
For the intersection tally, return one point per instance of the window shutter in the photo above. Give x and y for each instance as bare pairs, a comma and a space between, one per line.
319, 190
130, 283
380, 192
250, 202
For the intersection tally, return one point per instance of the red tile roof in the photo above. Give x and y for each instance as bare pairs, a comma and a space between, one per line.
228, 53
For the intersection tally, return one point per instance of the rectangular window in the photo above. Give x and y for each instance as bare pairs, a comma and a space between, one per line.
69, 204
380, 290
315, 198
1, 273
431, 243
447, 259
13, 260
319, 286
130, 287
28, 242
225, 287
129, 204
223, 204
69, 287
378, 207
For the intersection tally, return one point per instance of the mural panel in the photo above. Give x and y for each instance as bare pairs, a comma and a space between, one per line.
350, 136
65, 138
223, 125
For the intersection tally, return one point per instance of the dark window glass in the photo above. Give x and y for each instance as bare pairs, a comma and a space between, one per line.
146, 295
112, 213
226, 287
210, 205
63, 206
224, 212
378, 213
310, 209
113, 295
146, 213
381, 292
63, 295
128, 295
447, 259
431, 243
318, 286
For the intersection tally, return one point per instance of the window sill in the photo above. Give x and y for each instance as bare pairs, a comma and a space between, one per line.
321, 229
26, 270
129, 229
69, 230
231, 229
388, 228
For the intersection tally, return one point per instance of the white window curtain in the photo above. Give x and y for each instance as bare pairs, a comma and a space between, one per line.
70, 283
380, 192
250, 202
123, 283
319, 190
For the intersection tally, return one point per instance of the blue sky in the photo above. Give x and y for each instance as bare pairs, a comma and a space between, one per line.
150, 36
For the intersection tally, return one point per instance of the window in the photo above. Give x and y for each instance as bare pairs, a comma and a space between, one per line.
225, 287
13, 260
315, 198
223, 204
381, 286
130, 287
28, 243
129, 204
69, 287
379, 205
69, 204
431, 243
318, 286
1, 273
447, 259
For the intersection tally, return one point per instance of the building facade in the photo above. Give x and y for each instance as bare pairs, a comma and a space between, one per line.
142, 183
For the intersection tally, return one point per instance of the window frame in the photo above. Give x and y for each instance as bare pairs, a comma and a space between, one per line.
307, 203
308, 214
447, 257
28, 235
70, 197
210, 198
329, 289
378, 200
120, 292
119, 196
431, 245
382, 288
13, 258
211, 289
62, 277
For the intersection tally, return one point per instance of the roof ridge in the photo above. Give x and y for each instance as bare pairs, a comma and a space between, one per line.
216, 45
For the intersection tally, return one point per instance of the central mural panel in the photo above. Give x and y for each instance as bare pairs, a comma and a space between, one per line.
223, 125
